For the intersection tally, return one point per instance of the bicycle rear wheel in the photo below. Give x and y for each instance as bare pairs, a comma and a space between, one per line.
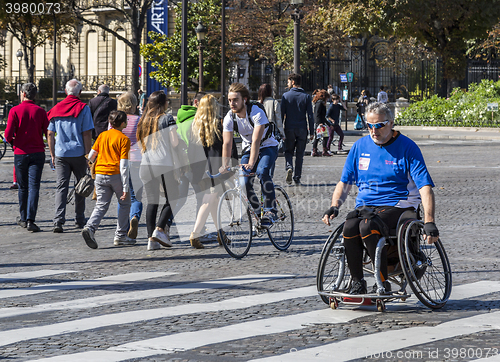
234, 224
3, 147
281, 232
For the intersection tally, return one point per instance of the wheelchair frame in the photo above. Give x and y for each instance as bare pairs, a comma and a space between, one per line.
415, 259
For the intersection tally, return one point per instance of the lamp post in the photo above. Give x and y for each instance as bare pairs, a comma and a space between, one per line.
184, 42
201, 31
223, 55
19, 55
296, 16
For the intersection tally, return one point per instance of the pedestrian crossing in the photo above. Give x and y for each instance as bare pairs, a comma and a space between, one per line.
81, 284
13, 277
266, 325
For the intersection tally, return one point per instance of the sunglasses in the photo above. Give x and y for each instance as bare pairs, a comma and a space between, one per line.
377, 125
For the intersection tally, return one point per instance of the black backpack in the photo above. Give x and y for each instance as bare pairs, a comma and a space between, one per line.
250, 104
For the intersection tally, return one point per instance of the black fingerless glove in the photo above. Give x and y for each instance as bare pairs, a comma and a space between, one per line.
430, 229
334, 210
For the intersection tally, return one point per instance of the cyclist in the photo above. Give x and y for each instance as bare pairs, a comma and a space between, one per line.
259, 148
391, 175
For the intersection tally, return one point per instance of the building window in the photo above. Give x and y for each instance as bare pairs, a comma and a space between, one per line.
120, 54
92, 53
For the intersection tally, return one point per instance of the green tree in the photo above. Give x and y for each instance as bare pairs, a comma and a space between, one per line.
264, 30
165, 51
133, 12
34, 29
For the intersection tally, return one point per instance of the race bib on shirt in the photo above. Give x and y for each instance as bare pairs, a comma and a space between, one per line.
364, 163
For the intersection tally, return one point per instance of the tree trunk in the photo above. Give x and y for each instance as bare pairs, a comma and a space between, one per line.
136, 60
31, 66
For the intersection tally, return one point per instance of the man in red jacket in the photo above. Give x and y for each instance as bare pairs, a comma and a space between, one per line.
26, 125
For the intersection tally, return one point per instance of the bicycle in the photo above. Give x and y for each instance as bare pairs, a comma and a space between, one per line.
3, 144
238, 223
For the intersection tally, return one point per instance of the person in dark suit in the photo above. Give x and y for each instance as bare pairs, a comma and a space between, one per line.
100, 107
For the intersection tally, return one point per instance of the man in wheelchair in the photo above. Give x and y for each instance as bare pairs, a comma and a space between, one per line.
390, 173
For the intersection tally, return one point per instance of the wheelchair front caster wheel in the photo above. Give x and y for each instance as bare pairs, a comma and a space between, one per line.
380, 305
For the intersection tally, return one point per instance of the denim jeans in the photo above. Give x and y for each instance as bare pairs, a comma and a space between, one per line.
296, 140
29, 173
262, 168
135, 191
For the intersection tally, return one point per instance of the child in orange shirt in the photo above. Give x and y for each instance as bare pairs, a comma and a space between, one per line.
110, 152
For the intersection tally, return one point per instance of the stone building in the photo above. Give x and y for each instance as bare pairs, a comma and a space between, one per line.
98, 57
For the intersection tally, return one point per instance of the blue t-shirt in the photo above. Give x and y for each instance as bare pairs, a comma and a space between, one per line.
386, 175
69, 138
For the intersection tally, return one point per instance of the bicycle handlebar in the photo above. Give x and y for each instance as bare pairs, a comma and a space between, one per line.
229, 169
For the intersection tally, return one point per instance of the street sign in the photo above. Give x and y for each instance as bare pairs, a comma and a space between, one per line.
345, 94
350, 77
492, 107
343, 77
268, 69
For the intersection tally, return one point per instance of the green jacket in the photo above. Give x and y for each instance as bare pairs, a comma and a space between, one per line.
185, 117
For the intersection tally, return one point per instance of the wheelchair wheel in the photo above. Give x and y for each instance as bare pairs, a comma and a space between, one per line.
3, 147
333, 273
426, 267
234, 224
281, 232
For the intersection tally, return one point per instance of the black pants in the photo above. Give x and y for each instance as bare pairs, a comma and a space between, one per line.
152, 187
361, 233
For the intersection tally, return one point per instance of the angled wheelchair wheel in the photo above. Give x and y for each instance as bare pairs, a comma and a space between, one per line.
234, 224
426, 267
281, 232
333, 273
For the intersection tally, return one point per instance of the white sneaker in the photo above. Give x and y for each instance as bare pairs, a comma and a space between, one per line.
123, 240
153, 245
162, 238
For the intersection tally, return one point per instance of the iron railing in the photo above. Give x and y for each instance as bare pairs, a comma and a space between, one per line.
117, 83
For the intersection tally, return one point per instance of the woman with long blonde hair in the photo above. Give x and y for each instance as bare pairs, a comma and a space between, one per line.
157, 134
207, 132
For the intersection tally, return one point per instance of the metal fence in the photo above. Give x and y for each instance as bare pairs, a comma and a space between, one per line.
413, 83
117, 83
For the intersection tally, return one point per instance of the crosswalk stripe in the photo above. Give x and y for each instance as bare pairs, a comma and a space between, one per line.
117, 298
23, 334
10, 277
471, 290
369, 345
189, 340
80, 284
494, 358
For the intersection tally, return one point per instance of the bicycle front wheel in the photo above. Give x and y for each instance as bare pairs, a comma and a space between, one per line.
281, 232
234, 224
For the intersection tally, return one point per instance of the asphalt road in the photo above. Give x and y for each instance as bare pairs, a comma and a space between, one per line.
61, 300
